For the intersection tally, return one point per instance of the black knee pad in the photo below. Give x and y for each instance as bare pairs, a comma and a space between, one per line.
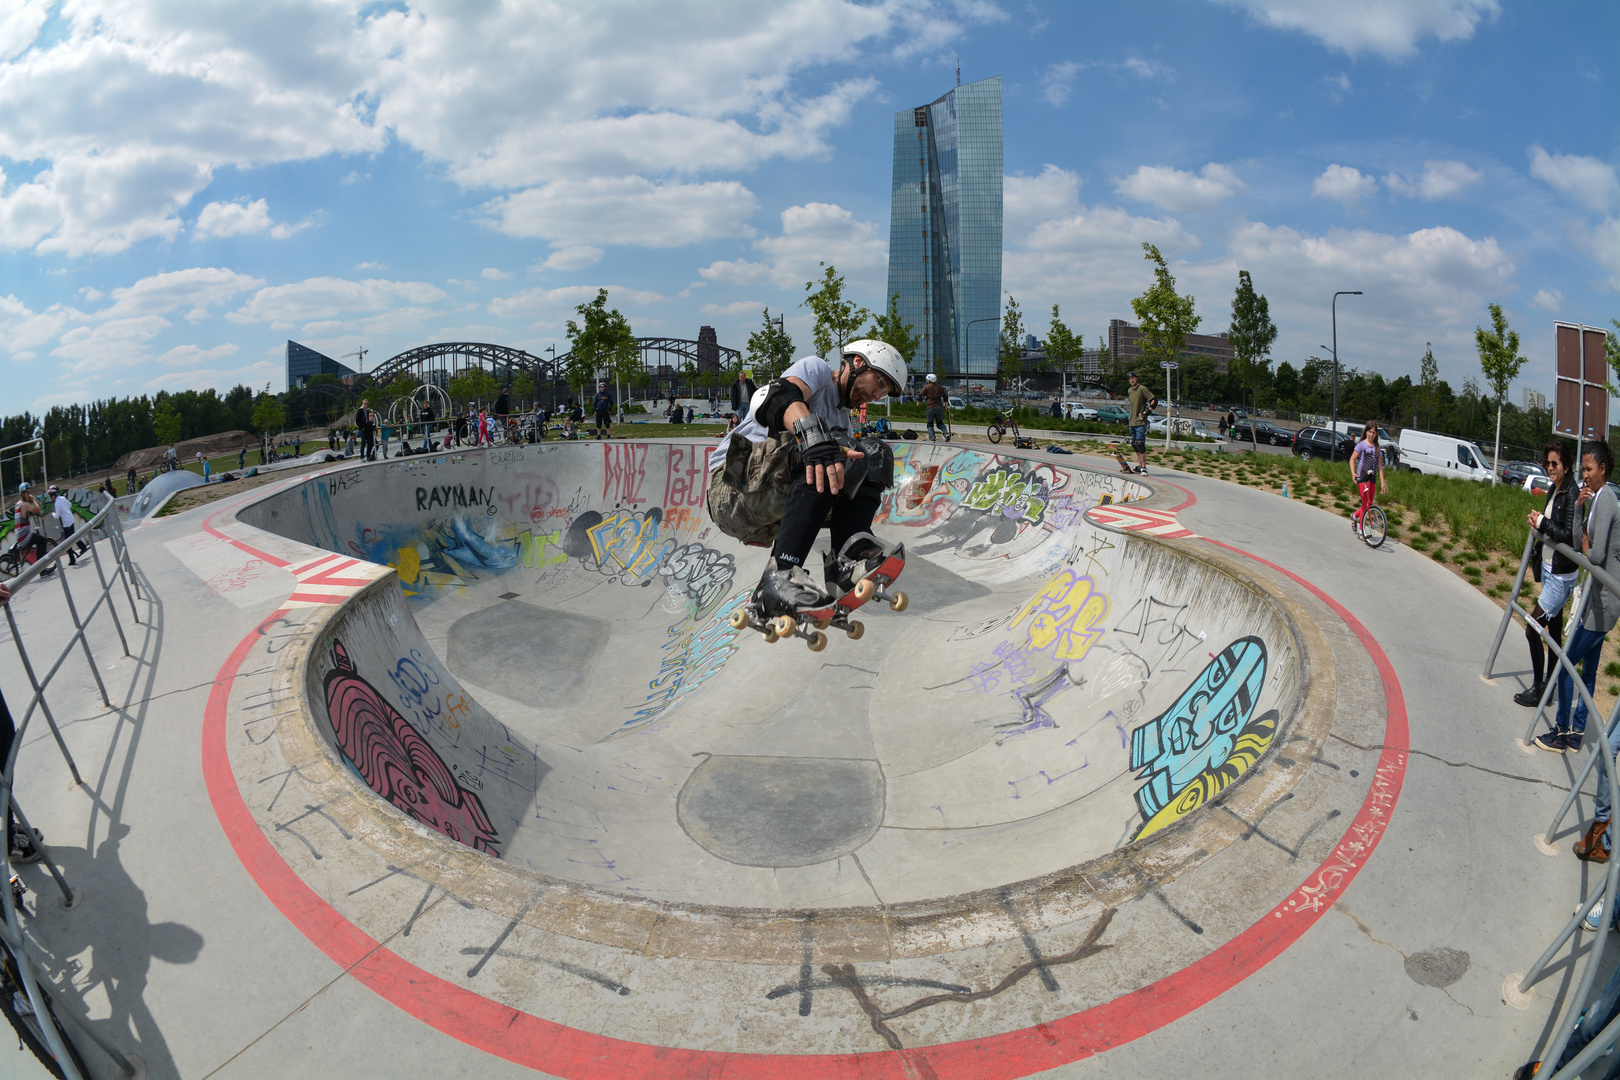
877, 467
1139, 445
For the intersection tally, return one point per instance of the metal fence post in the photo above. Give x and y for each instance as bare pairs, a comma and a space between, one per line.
1513, 598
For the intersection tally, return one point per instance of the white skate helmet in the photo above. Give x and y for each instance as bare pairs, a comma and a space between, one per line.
932, 377
881, 357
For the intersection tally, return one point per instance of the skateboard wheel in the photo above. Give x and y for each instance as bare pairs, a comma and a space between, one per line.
771, 638
864, 590
822, 624
739, 619
784, 626
856, 629
818, 641
899, 601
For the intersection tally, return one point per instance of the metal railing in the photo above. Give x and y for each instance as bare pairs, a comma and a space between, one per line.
1594, 577
105, 524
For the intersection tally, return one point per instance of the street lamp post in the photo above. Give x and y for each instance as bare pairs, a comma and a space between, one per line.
967, 339
1333, 444
1169, 366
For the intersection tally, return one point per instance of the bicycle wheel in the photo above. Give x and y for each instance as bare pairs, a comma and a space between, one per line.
1374, 526
993, 433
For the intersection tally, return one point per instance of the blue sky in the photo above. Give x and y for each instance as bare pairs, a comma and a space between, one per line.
187, 185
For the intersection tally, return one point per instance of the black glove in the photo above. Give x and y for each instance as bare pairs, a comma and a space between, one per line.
816, 444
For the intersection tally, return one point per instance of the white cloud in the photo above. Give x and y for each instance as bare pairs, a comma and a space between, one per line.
811, 234
572, 258
495, 273
194, 354
21, 329
1179, 191
1440, 180
243, 218
560, 303
1058, 82
1343, 184
1146, 69
115, 343
625, 210
328, 297
133, 108
370, 266
196, 290
1389, 28
20, 23
1550, 300
733, 311
1606, 245
1588, 181
1338, 86
354, 177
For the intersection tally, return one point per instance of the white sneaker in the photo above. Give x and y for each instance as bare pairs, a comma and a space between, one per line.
1593, 917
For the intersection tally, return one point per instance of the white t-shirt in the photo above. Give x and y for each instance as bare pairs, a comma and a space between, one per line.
823, 401
64, 514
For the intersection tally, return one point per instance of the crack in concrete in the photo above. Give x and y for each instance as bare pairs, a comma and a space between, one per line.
1379, 747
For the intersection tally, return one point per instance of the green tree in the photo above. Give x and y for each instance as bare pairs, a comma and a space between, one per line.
1611, 349
166, 423
268, 416
891, 328
837, 320
1429, 380
523, 390
1009, 358
1165, 316
1063, 348
602, 342
1499, 359
770, 350
1286, 384
1251, 334
473, 384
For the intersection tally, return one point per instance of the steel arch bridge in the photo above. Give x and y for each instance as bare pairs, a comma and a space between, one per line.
668, 362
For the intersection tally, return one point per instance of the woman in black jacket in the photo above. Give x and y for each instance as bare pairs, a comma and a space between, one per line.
1554, 570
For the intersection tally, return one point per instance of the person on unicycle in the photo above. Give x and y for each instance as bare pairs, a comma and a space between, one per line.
792, 468
1367, 466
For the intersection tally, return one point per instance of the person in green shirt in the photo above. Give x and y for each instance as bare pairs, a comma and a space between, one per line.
1140, 401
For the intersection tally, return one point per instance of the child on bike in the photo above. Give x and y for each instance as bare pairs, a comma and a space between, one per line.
1367, 466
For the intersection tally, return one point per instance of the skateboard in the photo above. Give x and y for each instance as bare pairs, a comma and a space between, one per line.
811, 623
1124, 466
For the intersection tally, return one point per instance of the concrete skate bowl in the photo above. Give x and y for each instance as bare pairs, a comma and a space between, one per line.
551, 679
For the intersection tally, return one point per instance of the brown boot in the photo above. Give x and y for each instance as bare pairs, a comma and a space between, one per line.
1590, 846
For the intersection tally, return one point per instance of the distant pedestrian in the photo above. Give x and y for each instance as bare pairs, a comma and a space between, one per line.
1367, 466
742, 394
241, 458
129, 483
1141, 400
26, 536
367, 421
1057, 409
936, 407
602, 405
1560, 523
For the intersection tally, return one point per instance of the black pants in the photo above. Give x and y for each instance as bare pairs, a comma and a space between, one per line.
849, 512
8, 732
368, 443
1538, 651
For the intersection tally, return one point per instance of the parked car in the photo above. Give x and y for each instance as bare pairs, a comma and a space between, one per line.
1264, 431
1443, 455
1517, 472
1113, 414
1078, 411
1317, 442
956, 403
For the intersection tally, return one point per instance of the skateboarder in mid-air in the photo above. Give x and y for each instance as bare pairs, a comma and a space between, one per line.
792, 468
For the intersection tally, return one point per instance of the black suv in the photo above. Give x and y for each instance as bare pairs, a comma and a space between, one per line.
1316, 442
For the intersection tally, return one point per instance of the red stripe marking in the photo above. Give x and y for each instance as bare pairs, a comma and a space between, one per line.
578, 1055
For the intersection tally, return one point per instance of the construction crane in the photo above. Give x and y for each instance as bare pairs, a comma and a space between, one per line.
361, 355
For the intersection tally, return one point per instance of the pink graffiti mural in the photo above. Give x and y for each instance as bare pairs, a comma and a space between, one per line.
397, 763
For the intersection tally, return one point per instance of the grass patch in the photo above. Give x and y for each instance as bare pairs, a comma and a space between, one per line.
1438, 555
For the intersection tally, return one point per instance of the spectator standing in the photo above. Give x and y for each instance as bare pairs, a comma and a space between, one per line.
1602, 538
66, 520
1367, 466
1140, 401
129, 488
23, 515
367, 422
1554, 571
936, 407
742, 394
206, 463
602, 406
241, 458
1057, 409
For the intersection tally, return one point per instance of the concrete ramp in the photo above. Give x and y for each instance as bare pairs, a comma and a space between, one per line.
551, 680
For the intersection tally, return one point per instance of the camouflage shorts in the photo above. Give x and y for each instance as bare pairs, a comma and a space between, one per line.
748, 494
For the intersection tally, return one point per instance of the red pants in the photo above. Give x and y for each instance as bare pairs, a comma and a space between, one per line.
1366, 487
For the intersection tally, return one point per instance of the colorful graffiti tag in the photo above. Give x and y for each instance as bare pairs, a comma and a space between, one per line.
1067, 614
397, 763
1206, 739
691, 658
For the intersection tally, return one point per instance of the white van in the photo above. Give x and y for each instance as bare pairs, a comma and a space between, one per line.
1443, 455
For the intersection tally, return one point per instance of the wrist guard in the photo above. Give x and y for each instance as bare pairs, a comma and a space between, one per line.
779, 394
816, 444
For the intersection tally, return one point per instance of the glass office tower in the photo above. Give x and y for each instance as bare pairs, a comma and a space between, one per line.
945, 228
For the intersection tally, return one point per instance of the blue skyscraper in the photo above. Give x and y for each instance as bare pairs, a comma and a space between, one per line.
945, 228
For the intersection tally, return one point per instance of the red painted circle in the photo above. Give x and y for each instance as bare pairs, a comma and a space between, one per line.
580, 1055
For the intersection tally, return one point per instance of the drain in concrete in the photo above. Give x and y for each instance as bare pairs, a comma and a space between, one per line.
781, 811
1437, 967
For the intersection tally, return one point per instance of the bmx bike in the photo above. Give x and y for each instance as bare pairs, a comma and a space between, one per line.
1000, 426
